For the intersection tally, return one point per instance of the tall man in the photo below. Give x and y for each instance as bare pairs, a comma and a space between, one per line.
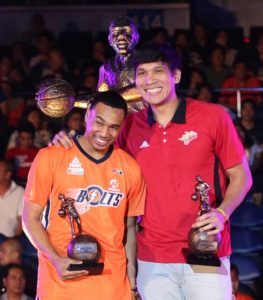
174, 140
108, 189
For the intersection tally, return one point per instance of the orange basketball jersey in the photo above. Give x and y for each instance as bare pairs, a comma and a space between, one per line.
105, 192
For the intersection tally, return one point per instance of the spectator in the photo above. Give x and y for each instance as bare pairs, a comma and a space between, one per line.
5, 67
197, 78
11, 196
56, 65
255, 62
24, 153
235, 285
201, 45
248, 121
38, 62
222, 39
74, 121
240, 79
42, 136
216, 72
14, 281
15, 104
205, 93
11, 252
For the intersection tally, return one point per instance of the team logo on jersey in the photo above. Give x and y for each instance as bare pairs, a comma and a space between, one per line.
75, 167
96, 196
144, 144
188, 137
114, 184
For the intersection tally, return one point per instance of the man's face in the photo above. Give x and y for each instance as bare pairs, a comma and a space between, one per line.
247, 112
5, 175
26, 140
156, 83
7, 254
241, 71
123, 39
103, 124
15, 281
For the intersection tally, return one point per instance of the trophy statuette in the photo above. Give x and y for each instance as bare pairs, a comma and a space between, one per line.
203, 247
82, 247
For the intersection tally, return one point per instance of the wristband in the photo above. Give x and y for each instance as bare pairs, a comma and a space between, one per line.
222, 213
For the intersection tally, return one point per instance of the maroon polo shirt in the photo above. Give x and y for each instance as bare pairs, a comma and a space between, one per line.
200, 140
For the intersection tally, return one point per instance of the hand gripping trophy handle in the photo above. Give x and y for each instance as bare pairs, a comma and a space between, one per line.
203, 247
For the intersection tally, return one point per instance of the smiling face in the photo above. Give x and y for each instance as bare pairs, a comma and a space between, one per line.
156, 83
123, 39
103, 124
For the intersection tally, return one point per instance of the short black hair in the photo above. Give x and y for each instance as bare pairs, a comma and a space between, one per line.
26, 126
234, 268
9, 165
153, 52
249, 101
7, 268
110, 98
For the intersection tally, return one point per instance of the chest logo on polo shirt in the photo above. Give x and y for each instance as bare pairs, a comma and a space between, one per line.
188, 137
144, 144
75, 167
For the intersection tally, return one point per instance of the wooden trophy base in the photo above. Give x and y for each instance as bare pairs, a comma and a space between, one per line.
94, 268
203, 260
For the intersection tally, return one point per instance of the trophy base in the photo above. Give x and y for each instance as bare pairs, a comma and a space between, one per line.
94, 268
211, 260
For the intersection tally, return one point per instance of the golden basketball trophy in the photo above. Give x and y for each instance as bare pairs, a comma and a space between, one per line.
82, 247
203, 247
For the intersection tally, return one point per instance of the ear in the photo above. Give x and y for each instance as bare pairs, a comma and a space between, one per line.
177, 76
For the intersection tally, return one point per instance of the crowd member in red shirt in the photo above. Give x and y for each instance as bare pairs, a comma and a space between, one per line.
24, 153
174, 140
240, 79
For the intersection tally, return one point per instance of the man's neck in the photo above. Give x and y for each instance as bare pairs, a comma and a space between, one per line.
13, 296
90, 150
164, 113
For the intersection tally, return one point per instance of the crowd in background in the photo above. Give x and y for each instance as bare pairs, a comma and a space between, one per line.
213, 61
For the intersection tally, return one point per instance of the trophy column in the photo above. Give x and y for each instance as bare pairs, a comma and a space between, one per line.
203, 247
82, 247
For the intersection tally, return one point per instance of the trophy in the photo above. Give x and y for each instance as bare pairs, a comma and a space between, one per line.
82, 247
203, 247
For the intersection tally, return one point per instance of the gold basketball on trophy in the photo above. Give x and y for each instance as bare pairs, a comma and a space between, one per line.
55, 97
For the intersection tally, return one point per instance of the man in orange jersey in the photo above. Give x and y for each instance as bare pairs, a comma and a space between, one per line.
109, 193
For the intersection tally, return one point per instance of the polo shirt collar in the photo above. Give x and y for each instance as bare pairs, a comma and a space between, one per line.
178, 117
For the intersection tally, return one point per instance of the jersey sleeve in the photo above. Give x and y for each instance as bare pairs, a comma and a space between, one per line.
39, 181
228, 147
137, 192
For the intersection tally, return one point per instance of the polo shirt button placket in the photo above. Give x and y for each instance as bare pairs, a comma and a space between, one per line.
164, 140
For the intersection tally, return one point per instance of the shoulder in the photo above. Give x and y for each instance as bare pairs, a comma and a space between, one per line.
126, 157
205, 107
136, 117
